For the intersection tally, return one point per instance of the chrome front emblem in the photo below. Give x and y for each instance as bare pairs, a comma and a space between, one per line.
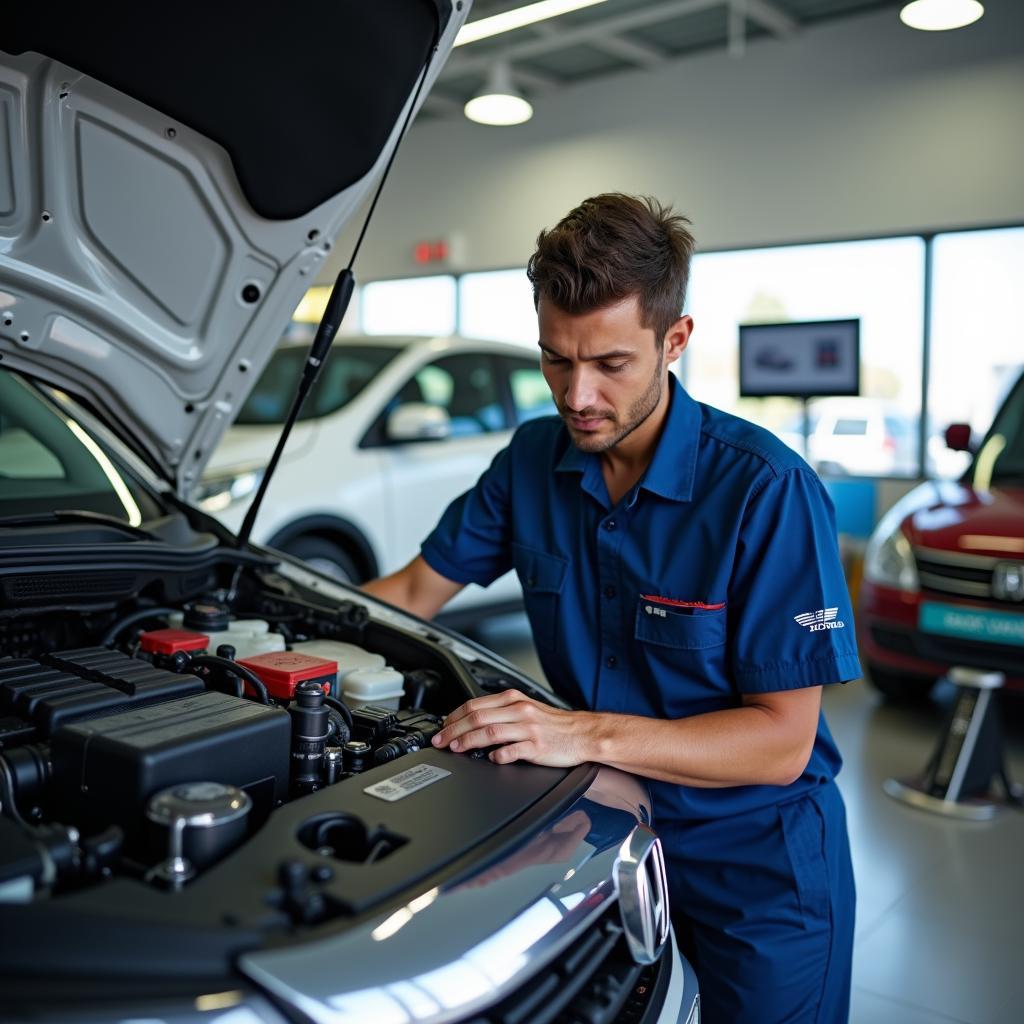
1008, 581
643, 894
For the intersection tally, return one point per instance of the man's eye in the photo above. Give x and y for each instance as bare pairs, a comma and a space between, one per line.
553, 360
612, 367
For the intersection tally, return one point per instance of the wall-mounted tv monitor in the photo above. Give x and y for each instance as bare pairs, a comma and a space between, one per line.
800, 360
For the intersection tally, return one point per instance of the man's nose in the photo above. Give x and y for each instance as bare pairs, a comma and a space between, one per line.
580, 394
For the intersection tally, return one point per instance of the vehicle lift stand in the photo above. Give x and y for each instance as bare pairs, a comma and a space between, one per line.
957, 781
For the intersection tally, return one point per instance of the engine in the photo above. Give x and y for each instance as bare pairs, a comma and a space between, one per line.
159, 755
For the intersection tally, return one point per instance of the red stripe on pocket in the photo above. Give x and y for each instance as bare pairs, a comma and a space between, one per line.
683, 604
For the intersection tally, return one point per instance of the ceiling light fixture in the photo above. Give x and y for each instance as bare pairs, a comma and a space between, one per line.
499, 102
941, 15
483, 28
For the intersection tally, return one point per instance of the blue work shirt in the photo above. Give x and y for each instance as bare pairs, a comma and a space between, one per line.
716, 575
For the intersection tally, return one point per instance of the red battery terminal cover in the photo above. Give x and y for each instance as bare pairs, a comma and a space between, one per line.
281, 671
170, 641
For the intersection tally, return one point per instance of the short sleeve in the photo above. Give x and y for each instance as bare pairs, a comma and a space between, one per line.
471, 542
790, 616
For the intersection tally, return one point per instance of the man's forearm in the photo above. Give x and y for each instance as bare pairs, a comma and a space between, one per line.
749, 745
415, 588
766, 741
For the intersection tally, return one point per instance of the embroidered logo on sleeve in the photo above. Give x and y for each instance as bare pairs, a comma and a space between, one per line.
823, 618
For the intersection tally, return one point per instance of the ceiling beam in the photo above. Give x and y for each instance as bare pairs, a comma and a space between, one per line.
641, 54
589, 33
773, 18
536, 81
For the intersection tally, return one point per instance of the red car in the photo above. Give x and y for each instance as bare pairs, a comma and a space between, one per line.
944, 570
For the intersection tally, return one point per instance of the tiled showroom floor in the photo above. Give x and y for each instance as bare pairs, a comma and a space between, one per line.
940, 915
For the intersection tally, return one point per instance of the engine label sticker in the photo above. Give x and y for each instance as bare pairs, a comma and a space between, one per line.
404, 783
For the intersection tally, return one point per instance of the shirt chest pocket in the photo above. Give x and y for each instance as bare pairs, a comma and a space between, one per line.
684, 628
542, 576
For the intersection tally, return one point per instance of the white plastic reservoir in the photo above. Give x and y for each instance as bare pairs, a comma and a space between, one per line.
350, 657
249, 637
381, 686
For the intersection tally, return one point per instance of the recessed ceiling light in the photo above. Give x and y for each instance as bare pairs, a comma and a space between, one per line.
941, 15
482, 28
499, 102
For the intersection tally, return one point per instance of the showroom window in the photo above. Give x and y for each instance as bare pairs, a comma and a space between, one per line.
977, 342
881, 282
497, 305
413, 305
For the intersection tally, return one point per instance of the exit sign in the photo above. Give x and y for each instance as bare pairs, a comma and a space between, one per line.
431, 252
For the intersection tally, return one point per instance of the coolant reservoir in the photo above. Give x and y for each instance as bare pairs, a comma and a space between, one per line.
249, 637
381, 686
349, 657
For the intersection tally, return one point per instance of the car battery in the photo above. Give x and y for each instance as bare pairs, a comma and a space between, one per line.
281, 671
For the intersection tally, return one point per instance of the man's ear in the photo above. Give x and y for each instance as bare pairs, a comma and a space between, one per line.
676, 339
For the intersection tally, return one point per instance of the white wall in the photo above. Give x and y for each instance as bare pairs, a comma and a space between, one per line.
858, 127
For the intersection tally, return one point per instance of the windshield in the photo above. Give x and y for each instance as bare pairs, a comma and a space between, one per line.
1001, 458
349, 368
49, 463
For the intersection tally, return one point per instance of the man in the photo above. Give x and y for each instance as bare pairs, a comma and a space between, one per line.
681, 577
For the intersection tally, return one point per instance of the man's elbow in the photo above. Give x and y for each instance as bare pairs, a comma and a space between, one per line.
790, 768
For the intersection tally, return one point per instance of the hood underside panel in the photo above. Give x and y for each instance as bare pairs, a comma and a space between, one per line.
169, 189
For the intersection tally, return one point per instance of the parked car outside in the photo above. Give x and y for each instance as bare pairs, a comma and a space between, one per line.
218, 795
856, 437
944, 570
394, 430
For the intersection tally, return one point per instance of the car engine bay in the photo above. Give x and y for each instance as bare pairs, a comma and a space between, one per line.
198, 771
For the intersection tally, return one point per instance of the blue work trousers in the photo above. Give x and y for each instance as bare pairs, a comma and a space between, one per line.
763, 905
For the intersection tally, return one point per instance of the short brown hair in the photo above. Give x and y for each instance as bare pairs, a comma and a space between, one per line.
612, 246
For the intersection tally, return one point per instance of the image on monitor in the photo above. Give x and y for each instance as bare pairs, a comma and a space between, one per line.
816, 358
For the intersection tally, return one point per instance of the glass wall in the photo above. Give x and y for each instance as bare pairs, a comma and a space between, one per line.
977, 341
413, 305
879, 282
497, 304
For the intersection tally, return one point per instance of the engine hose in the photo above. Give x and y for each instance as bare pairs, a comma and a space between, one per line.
10, 808
140, 615
212, 661
342, 709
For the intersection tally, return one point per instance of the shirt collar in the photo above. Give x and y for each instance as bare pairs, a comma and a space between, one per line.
674, 465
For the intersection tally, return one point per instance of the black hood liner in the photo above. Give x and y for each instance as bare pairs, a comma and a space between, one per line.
302, 96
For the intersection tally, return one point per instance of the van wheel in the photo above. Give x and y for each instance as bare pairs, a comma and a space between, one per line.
325, 556
900, 688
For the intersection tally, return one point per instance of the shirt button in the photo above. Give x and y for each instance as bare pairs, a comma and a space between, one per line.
609, 525
531, 581
609, 592
611, 661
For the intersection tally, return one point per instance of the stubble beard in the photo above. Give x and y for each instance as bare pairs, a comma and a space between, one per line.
638, 413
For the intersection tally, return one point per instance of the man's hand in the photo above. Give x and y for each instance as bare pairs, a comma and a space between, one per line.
527, 729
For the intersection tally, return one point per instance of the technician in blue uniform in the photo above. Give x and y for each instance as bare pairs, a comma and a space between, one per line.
683, 585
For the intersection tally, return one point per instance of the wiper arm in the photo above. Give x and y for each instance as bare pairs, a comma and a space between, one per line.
76, 516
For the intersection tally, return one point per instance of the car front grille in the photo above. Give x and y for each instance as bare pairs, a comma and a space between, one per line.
594, 981
948, 572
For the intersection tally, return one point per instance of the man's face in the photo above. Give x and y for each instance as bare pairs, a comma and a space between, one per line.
606, 373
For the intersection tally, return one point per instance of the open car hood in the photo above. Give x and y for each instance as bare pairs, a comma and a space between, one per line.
170, 185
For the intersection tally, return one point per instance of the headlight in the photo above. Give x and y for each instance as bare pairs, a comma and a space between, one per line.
889, 559
218, 493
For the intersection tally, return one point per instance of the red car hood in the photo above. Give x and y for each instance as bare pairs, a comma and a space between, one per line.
956, 517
